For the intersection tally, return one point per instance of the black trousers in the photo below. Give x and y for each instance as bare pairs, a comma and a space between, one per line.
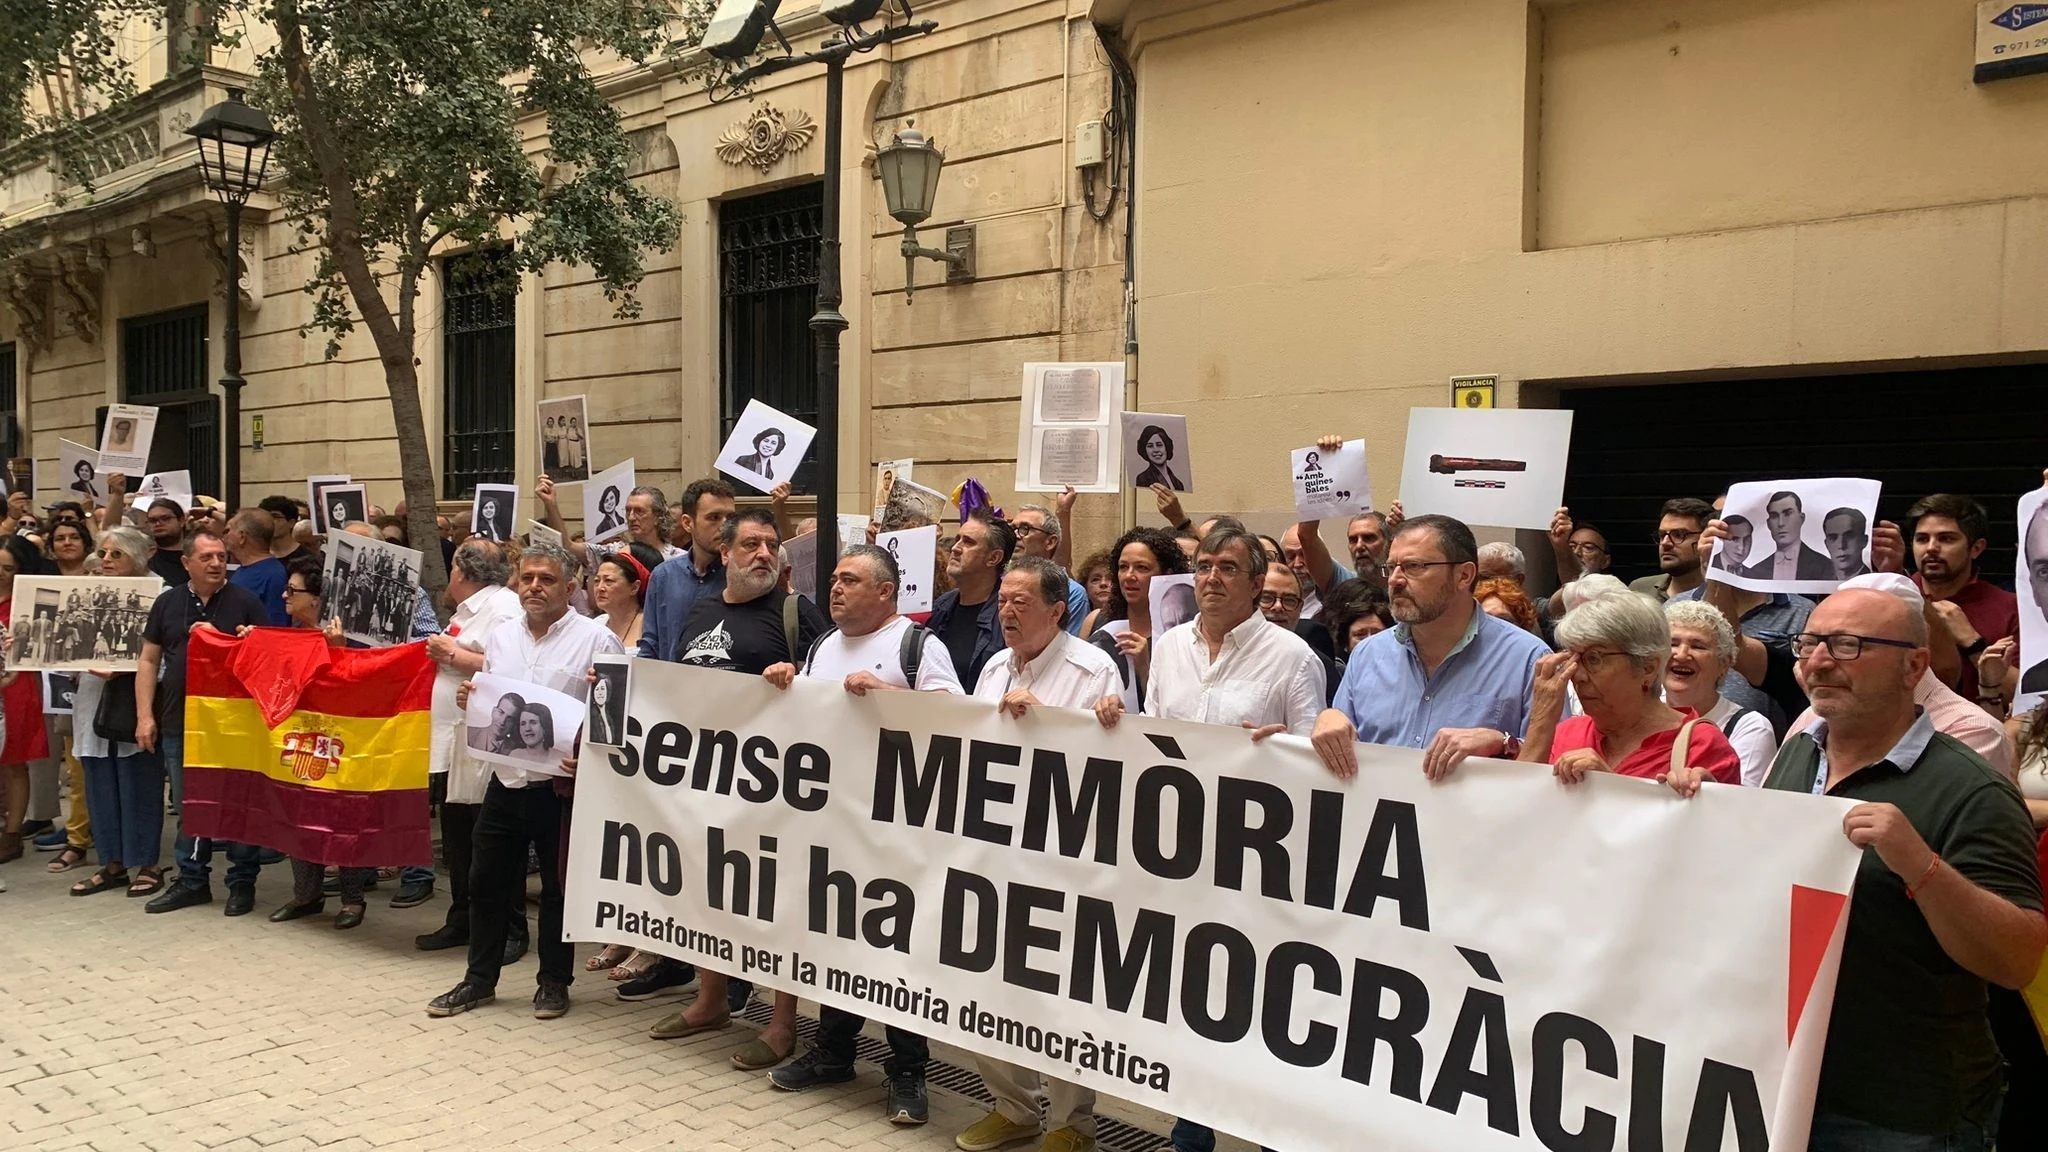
837, 1030
509, 821
458, 829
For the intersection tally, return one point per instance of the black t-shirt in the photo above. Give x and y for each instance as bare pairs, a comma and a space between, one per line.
963, 631
300, 553
170, 624
170, 565
747, 637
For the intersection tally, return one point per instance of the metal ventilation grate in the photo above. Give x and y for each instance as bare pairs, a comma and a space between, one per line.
1110, 1134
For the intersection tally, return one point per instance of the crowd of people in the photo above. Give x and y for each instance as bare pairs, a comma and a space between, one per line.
1894, 691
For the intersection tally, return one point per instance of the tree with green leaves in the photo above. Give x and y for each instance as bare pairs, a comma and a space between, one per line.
399, 138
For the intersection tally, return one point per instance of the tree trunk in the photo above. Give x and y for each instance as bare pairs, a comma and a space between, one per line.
389, 332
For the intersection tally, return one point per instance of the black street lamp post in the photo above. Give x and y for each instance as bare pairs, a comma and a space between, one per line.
234, 149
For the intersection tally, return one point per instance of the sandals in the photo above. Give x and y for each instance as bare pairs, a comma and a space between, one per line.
66, 860
104, 880
148, 882
755, 1055
638, 965
610, 956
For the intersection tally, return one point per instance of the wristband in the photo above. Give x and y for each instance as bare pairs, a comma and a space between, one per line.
1914, 889
1184, 525
1978, 646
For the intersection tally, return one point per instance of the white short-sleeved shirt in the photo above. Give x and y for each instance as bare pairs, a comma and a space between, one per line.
471, 625
559, 660
1755, 742
1070, 673
1262, 674
880, 652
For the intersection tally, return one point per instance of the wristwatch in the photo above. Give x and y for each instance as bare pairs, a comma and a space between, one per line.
1510, 746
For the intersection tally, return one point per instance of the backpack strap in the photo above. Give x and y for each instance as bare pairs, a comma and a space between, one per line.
910, 654
789, 621
811, 656
1728, 725
1681, 745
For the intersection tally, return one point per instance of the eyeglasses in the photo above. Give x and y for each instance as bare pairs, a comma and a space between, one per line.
1588, 548
1840, 645
1023, 529
1227, 569
291, 591
1594, 659
1279, 599
1679, 537
1412, 569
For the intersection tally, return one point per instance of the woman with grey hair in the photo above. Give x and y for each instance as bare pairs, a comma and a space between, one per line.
1615, 647
1702, 651
124, 783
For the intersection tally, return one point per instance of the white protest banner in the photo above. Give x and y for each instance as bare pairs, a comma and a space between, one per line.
124, 442
2031, 580
765, 447
1067, 431
1217, 929
1331, 485
1502, 467
917, 555
1795, 535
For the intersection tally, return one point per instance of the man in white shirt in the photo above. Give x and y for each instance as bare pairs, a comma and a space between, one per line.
551, 647
476, 586
871, 649
1043, 666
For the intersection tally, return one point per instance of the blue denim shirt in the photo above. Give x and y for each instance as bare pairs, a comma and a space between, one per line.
1485, 682
672, 591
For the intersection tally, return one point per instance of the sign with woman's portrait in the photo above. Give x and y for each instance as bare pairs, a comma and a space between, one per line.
604, 503
565, 439
1156, 451
522, 725
79, 467
493, 511
765, 447
606, 723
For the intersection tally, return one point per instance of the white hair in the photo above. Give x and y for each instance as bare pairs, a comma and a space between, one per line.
1626, 620
1507, 554
1708, 619
1052, 519
1586, 588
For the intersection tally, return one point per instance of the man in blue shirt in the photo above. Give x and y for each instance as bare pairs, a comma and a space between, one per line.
1038, 534
676, 584
248, 538
1447, 678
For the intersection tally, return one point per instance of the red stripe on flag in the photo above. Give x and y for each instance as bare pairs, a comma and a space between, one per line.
346, 829
336, 681
1815, 912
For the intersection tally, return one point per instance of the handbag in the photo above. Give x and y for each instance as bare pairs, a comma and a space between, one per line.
115, 718
1682, 744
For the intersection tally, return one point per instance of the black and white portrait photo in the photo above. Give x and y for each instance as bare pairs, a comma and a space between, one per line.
524, 725
1155, 450
604, 503
606, 722
1796, 535
493, 511
70, 623
1173, 601
342, 505
126, 438
370, 586
60, 689
565, 440
316, 506
79, 468
765, 447
2032, 586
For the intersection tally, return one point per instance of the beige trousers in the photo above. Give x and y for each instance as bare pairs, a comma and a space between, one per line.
1068, 1105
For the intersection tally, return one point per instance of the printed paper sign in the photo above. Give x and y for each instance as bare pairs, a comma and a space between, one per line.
604, 503
342, 505
916, 551
124, 442
564, 439
2031, 580
765, 447
493, 511
372, 586
1331, 485
1156, 451
604, 724
173, 486
540, 533
1795, 535
59, 690
886, 474
80, 468
1067, 433
71, 623
1500, 467
803, 565
315, 485
1173, 601
522, 725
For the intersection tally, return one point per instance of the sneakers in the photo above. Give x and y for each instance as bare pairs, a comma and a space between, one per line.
907, 1103
812, 1069
180, 895
996, 1130
551, 1001
667, 978
51, 841
462, 998
1066, 1140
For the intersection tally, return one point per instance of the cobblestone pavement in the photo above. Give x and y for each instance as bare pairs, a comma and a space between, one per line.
121, 1031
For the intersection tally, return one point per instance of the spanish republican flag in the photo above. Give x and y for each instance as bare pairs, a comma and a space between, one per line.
318, 752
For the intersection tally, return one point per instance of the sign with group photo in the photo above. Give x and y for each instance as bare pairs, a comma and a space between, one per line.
1795, 535
1215, 928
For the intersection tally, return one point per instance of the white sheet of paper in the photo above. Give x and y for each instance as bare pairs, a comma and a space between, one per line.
1330, 485
604, 502
540, 533
342, 505
765, 447
1501, 467
313, 486
520, 724
1173, 601
1067, 428
125, 441
1156, 451
564, 447
2031, 583
166, 486
886, 474
80, 472
604, 722
1784, 535
501, 502
917, 557
852, 530
803, 564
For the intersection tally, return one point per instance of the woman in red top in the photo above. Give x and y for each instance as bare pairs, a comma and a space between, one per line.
22, 699
1615, 648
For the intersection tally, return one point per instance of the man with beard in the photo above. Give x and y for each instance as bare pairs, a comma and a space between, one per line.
1447, 678
1948, 536
165, 523
1679, 525
750, 625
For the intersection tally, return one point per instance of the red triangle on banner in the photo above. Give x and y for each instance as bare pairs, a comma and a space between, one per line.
1815, 912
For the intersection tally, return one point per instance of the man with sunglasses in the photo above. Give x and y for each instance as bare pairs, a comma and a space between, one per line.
1948, 898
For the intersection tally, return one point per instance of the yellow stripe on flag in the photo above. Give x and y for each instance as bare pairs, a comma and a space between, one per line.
311, 749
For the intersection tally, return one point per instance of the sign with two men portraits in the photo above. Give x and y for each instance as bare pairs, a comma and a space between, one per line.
1216, 928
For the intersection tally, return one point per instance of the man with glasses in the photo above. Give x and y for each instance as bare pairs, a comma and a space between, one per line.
1579, 548
1038, 534
1280, 600
1678, 555
1947, 901
165, 523
1447, 678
